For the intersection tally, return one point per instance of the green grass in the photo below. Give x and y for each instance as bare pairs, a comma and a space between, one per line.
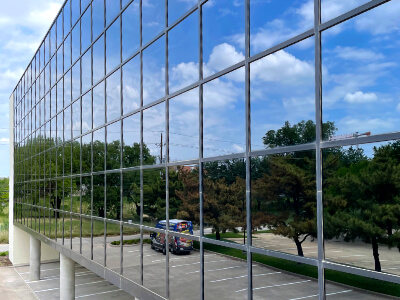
4, 226
131, 242
226, 235
4, 253
361, 282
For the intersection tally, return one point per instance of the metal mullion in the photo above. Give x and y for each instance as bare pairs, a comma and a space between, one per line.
200, 9
351, 14
285, 256
141, 138
121, 148
361, 140
286, 149
318, 151
105, 137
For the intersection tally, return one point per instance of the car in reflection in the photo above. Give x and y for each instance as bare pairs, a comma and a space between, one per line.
176, 244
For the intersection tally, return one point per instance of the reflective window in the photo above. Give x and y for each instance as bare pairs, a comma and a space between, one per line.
153, 19
154, 135
113, 46
131, 207
131, 85
113, 100
130, 30
99, 150
113, 146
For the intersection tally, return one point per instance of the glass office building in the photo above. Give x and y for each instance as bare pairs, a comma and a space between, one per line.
273, 126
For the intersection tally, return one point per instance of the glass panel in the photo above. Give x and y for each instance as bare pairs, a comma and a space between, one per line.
285, 101
67, 88
86, 30
86, 238
99, 115
53, 39
360, 81
60, 128
184, 126
75, 8
183, 45
225, 200
113, 251
131, 253
67, 123
86, 195
218, 49
53, 78
87, 71
112, 9
113, 86
53, 105
224, 115
273, 22
67, 227
361, 197
76, 234
98, 241
98, 60
113, 201
113, 46
284, 203
154, 134
59, 29
76, 81
67, 17
60, 95
76, 43
67, 158
153, 15
76, 118
131, 85
87, 153
67, 53
131, 197
184, 200
154, 264
87, 112
98, 196
113, 146
131, 141
76, 156
130, 30
98, 17
224, 277
153, 196
333, 8
98, 150
176, 8
154, 71
47, 78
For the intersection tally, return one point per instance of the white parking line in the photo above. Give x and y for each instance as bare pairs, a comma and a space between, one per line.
220, 269
41, 291
48, 270
312, 296
275, 285
98, 293
230, 278
196, 263
190, 256
355, 255
58, 276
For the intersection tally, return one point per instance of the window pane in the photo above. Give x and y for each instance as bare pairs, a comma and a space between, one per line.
114, 146
87, 112
98, 150
76, 42
86, 237
98, 196
76, 118
131, 253
154, 135
130, 30
131, 141
76, 81
153, 15
113, 84
184, 53
113, 201
112, 9
86, 71
98, 17
113, 46
131, 85
224, 115
86, 29
113, 251
98, 105
184, 126
154, 71
98, 60
87, 153
98, 242
131, 197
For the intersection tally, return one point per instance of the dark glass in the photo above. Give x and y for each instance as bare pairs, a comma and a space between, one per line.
130, 30
284, 203
224, 114
113, 146
131, 85
113, 94
131, 197
131, 141
113, 196
98, 150
154, 135
184, 126
153, 71
98, 196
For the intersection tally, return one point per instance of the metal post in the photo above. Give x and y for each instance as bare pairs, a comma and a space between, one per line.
67, 278
34, 267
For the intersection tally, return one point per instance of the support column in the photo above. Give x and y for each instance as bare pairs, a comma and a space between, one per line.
67, 278
34, 268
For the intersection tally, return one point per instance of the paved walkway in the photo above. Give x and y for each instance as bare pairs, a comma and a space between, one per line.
4, 247
12, 286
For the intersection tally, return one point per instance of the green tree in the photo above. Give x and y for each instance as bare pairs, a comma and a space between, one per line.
3, 194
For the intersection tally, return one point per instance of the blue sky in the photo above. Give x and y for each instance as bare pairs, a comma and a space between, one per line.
360, 68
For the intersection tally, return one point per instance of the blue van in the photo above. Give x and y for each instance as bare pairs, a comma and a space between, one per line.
176, 244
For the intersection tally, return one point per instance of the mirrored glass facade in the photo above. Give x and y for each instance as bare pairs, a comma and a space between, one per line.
272, 126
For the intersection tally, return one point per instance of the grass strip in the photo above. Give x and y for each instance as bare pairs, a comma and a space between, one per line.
131, 242
4, 253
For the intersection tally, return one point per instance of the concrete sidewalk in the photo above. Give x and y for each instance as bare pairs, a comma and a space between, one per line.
4, 247
12, 286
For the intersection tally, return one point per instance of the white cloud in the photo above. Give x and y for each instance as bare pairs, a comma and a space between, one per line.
223, 56
360, 97
353, 53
